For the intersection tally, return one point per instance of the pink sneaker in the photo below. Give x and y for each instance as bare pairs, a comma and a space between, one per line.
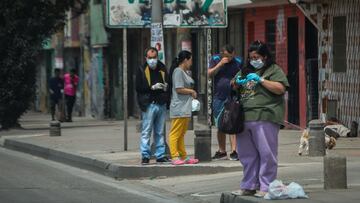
190, 160
177, 162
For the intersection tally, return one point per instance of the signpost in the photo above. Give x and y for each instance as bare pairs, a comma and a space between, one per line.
125, 88
209, 80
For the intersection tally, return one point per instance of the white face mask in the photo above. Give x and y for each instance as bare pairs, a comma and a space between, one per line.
257, 64
152, 63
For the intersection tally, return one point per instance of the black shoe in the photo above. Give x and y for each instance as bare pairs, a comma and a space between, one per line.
163, 160
234, 156
353, 129
244, 192
145, 161
332, 133
220, 155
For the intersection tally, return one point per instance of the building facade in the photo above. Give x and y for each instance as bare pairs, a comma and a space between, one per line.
338, 23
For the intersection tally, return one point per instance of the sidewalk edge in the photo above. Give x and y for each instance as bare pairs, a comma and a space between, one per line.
112, 169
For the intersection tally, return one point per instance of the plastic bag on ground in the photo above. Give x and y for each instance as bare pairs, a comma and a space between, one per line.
277, 190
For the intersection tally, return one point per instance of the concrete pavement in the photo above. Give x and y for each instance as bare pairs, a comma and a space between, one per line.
98, 146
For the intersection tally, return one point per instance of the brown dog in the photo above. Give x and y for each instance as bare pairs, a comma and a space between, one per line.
330, 142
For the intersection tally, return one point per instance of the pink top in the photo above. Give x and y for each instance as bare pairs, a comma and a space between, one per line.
70, 86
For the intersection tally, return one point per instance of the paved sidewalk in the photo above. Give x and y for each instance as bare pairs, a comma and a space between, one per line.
98, 146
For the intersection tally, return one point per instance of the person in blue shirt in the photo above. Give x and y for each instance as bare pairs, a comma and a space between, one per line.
222, 68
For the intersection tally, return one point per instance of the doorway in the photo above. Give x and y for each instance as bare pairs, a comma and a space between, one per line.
293, 70
312, 70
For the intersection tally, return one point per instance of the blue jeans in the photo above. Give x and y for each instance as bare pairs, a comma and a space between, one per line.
153, 119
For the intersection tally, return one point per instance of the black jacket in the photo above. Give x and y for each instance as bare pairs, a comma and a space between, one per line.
145, 95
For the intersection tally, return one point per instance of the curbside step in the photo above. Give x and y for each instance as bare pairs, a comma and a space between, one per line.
114, 170
230, 198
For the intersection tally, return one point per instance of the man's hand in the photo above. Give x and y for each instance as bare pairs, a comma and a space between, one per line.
158, 86
224, 60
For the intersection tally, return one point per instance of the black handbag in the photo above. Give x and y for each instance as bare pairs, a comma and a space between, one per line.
231, 119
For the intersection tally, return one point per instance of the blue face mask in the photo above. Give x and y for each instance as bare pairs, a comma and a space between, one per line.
152, 63
257, 64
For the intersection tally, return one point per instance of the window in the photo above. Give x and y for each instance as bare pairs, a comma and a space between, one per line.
339, 44
234, 32
251, 32
270, 36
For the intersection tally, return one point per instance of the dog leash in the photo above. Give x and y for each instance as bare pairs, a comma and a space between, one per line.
293, 125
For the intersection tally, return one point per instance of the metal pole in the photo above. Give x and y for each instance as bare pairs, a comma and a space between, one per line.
157, 36
125, 90
209, 80
156, 8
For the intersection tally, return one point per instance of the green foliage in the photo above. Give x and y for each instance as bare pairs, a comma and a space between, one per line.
24, 25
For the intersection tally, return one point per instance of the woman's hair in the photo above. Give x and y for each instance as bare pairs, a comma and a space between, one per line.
263, 50
179, 60
176, 62
228, 47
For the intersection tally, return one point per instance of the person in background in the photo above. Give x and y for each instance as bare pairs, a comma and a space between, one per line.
334, 128
261, 85
180, 107
56, 88
71, 81
223, 67
153, 98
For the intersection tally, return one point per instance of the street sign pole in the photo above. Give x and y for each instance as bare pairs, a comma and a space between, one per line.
157, 34
125, 89
209, 80
157, 37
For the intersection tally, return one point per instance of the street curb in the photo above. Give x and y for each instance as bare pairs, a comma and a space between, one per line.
227, 197
114, 170
46, 126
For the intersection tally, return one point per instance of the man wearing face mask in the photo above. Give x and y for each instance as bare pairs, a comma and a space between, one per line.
223, 67
153, 98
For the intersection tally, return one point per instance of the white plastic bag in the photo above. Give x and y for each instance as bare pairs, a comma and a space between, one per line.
195, 105
277, 190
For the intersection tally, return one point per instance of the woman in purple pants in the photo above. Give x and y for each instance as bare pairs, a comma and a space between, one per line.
261, 85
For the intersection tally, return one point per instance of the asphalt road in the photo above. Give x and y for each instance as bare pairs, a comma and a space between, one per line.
309, 175
28, 179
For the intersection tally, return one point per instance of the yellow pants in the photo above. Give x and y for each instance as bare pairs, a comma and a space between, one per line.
176, 137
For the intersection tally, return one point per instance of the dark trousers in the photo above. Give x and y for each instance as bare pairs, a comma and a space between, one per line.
70, 100
53, 103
